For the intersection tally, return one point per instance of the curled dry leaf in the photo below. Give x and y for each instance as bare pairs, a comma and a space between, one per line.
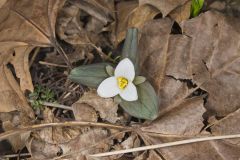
132, 141
182, 12
164, 6
106, 108
100, 9
11, 96
75, 149
21, 66
82, 23
58, 134
130, 14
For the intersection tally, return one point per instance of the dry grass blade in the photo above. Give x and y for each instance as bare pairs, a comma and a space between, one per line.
170, 144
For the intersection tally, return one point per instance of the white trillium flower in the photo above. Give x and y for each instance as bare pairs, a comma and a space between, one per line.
121, 83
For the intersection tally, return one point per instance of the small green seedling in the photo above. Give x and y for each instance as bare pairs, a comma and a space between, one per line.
41, 95
196, 7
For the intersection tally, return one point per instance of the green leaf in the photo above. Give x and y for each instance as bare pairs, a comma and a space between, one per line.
90, 75
138, 80
146, 107
130, 47
110, 70
196, 7
117, 99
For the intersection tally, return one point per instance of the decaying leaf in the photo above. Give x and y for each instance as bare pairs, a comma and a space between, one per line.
19, 27
12, 97
228, 125
106, 108
21, 66
218, 50
205, 56
210, 59
131, 15
74, 149
185, 119
33, 25
59, 134
165, 6
181, 13
17, 142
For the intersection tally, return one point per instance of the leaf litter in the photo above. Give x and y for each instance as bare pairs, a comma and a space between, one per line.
193, 64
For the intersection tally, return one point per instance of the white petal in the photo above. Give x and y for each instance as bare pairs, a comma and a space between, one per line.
108, 88
125, 68
129, 93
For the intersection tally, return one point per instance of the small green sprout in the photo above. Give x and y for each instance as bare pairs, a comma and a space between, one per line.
41, 95
196, 7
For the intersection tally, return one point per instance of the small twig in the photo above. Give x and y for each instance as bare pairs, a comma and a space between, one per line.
16, 131
169, 144
69, 93
52, 64
57, 105
15, 155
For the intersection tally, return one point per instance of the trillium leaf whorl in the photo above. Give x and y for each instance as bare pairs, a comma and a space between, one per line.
134, 93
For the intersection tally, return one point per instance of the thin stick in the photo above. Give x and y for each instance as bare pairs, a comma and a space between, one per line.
56, 105
52, 64
15, 155
13, 132
176, 143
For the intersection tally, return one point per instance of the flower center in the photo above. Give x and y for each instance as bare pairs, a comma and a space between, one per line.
122, 82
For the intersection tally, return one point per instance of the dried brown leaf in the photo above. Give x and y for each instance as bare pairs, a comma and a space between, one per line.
29, 22
21, 66
56, 135
205, 56
2, 2
165, 6
132, 15
210, 59
107, 108
215, 59
228, 125
11, 96
181, 13
17, 142
185, 119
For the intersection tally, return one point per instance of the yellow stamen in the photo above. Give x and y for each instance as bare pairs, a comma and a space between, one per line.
122, 82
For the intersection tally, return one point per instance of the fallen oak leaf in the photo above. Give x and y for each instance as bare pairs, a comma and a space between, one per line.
21, 66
